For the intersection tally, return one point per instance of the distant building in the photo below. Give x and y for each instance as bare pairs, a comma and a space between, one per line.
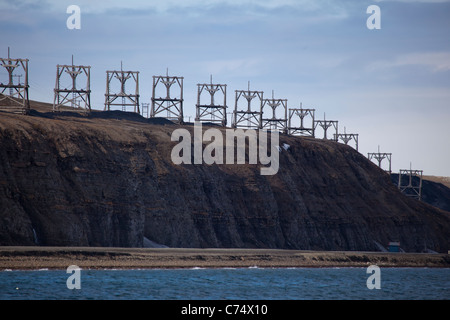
394, 246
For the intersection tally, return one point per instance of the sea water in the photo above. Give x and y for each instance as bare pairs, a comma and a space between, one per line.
234, 284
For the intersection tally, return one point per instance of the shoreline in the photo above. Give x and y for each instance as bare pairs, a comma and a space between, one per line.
35, 258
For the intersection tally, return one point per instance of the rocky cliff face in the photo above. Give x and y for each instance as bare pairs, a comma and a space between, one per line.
90, 181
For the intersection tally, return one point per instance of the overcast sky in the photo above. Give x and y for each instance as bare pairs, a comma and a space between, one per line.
391, 86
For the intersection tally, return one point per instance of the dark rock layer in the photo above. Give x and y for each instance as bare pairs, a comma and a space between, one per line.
434, 193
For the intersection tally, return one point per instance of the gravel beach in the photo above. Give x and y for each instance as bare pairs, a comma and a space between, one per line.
31, 258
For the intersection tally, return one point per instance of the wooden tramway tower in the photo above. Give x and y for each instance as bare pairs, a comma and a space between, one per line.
298, 121
277, 121
168, 107
411, 188
73, 98
14, 96
247, 117
379, 157
122, 98
212, 112
325, 125
347, 137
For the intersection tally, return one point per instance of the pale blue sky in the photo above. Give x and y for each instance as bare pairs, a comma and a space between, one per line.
392, 86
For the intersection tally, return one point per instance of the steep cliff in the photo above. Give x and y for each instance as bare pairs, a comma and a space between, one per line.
108, 180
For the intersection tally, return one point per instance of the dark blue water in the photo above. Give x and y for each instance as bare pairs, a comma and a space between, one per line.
239, 284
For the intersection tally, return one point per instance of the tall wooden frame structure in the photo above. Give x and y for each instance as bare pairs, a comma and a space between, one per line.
247, 116
212, 112
347, 137
145, 109
14, 96
415, 190
325, 125
276, 122
380, 156
78, 98
171, 106
297, 120
124, 99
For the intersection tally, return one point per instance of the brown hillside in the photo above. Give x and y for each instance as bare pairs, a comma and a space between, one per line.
444, 180
108, 180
